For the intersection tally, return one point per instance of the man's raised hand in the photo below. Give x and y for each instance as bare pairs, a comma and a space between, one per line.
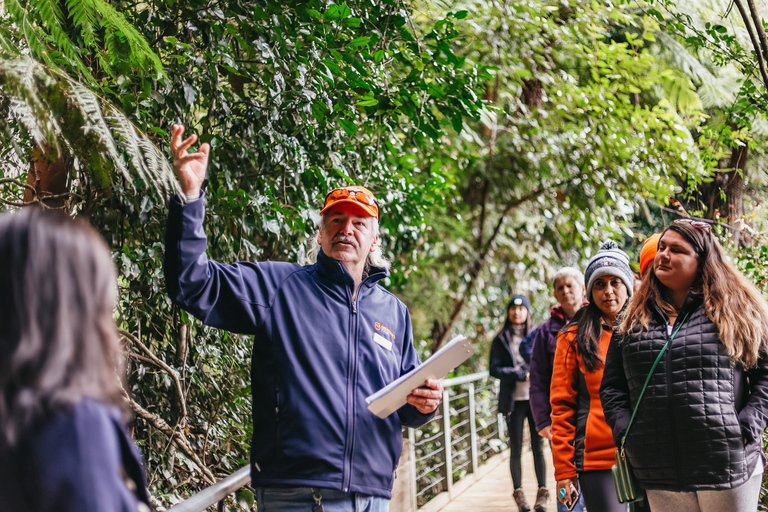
189, 167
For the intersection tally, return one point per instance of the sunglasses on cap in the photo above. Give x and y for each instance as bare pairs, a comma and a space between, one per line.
700, 224
354, 194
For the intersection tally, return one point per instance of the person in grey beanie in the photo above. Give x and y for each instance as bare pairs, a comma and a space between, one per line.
583, 447
609, 261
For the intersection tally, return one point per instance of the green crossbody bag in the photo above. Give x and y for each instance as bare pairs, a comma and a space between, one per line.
628, 490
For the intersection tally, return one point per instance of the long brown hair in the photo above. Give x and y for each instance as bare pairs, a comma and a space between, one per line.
58, 341
731, 301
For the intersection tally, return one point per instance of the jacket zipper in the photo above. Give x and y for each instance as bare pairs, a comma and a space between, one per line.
352, 373
670, 412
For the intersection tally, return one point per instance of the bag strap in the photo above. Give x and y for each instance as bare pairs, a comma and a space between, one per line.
648, 379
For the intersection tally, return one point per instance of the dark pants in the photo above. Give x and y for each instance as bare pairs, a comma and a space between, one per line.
599, 491
515, 421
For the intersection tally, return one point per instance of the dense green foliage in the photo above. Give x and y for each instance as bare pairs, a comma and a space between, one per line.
575, 138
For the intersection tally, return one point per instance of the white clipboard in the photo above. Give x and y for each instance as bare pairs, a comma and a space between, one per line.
392, 397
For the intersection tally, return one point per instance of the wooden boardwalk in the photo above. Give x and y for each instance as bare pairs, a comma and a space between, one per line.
492, 491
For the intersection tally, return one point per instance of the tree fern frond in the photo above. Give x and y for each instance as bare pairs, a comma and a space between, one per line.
23, 113
18, 78
84, 16
88, 103
719, 93
5, 42
112, 20
49, 13
48, 32
110, 42
683, 60
759, 127
105, 64
32, 37
680, 93
125, 131
758, 165
161, 172
14, 9
37, 99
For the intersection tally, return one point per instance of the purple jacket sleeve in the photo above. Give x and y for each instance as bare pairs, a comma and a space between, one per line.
541, 377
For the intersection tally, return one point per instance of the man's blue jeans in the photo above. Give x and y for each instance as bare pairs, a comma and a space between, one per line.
304, 499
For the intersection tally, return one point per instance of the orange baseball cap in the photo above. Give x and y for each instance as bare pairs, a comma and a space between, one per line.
354, 194
648, 251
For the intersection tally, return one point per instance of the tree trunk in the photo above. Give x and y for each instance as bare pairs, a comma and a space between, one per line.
724, 196
49, 176
533, 93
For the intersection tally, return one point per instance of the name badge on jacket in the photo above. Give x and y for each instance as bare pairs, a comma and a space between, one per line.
381, 340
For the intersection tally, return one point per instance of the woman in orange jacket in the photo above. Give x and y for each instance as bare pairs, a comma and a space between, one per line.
582, 442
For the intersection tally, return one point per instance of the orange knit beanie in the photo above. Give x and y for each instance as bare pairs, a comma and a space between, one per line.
649, 251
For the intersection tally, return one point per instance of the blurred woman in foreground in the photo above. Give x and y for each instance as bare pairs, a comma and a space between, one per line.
63, 439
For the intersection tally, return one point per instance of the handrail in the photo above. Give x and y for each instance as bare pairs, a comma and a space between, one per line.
466, 436
242, 477
465, 379
215, 493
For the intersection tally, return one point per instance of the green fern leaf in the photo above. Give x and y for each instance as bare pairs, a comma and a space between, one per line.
89, 106
125, 132
83, 15
18, 80
114, 21
29, 84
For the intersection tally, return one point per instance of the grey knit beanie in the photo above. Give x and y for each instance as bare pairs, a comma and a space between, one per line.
609, 260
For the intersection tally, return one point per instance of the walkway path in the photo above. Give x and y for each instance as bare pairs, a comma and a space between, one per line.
493, 490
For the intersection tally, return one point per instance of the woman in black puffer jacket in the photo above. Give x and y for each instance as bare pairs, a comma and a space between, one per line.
695, 443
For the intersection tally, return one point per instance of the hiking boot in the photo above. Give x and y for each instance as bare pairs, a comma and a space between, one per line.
541, 500
520, 500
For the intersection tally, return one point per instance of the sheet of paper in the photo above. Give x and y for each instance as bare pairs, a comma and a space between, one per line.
392, 397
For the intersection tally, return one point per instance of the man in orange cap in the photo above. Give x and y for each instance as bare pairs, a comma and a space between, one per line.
349, 231
648, 252
326, 336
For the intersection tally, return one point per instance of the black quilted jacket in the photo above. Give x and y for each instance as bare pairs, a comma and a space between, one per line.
699, 408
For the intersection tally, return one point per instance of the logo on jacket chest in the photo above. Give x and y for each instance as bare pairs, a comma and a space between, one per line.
380, 336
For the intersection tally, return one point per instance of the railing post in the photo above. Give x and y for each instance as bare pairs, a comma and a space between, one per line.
447, 444
412, 463
472, 427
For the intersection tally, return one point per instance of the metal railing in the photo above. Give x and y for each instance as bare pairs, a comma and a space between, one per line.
215, 494
465, 433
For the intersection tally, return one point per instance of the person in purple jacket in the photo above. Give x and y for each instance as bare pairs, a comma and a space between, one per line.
64, 446
326, 336
570, 294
